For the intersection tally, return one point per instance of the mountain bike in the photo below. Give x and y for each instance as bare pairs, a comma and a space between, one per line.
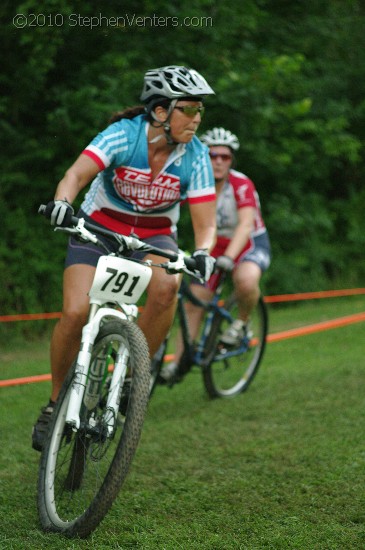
227, 371
97, 422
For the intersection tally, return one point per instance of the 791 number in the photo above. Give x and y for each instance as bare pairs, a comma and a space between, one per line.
119, 281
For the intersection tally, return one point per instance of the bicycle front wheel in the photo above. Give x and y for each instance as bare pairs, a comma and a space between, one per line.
229, 371
81, 472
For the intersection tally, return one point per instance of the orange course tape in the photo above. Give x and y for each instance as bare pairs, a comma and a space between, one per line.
25, 380
28, 317
317, 327
276, 337
269, 299
314, 295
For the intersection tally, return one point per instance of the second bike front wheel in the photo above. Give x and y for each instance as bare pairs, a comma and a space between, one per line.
81, 472
229, 371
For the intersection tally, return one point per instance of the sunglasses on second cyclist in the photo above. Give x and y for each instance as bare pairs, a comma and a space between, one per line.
224, 156
191, 110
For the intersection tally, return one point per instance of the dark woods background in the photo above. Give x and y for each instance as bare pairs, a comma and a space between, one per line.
289, 79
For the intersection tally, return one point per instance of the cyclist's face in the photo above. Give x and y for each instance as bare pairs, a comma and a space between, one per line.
221, 158
185, 124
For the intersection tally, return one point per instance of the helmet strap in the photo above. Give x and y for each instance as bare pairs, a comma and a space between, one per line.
165, 124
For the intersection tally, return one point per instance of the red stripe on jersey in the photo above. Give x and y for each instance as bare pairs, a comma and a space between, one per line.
147, 222
127, 229
95, 158
204, 198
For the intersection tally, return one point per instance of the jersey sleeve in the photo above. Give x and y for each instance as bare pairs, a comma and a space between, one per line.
201, 186
107, 145
244, 190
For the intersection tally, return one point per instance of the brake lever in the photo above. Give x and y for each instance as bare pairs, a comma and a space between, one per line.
173, 270
70, 230
80, 232
73, 231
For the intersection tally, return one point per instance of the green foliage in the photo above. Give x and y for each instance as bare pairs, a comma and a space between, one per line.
289, 80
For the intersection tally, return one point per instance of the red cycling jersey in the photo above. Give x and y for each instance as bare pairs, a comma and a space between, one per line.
238, 192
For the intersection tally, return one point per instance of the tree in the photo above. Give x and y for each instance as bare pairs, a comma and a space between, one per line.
289, 80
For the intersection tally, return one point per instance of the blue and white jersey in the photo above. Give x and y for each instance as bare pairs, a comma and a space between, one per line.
124, 198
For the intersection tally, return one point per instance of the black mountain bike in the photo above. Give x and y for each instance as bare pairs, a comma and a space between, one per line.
226, 371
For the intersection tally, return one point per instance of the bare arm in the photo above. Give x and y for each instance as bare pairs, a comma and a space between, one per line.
203, 217
82, 171
246, 217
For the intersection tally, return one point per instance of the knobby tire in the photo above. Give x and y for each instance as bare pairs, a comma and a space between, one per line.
229, 376
78, 473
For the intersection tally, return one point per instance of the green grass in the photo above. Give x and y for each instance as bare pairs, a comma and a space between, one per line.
279, 467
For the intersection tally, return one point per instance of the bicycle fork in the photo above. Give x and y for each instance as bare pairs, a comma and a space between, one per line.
79, 384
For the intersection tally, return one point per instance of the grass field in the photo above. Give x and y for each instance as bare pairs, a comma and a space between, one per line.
279, 467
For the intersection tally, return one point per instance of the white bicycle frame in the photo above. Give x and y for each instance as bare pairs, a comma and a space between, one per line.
120, 281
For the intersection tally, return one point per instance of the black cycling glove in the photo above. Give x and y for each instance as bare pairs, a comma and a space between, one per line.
59, 212
225, 263
204, 263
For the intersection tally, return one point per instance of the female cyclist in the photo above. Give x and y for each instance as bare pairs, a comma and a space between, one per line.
242, 246
141, 167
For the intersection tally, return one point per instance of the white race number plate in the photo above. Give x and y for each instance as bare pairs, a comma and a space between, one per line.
119, 280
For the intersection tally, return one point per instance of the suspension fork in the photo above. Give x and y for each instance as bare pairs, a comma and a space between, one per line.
89, 333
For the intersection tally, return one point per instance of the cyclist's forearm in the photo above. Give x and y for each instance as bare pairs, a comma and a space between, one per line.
76, 178
241, 235
203, 218
67, 189
238, 242
205, 239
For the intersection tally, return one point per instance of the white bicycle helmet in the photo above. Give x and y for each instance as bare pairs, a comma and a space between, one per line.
173, 82
220, 136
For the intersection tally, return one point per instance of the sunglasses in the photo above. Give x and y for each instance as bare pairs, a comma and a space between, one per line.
224, 156
191, 110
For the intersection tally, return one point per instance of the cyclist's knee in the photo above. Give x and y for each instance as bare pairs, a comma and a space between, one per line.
73, 319
164, 294
247, 278
168, 295
247, 285
247, 288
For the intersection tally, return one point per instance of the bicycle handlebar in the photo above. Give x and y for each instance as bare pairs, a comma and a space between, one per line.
84, 229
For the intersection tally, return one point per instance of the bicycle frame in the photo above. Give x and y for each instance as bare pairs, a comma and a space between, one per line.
80, 382
101, 293
196, 354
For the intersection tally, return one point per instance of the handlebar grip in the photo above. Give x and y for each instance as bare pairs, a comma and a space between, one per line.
190, 263
47, 214
46, 209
